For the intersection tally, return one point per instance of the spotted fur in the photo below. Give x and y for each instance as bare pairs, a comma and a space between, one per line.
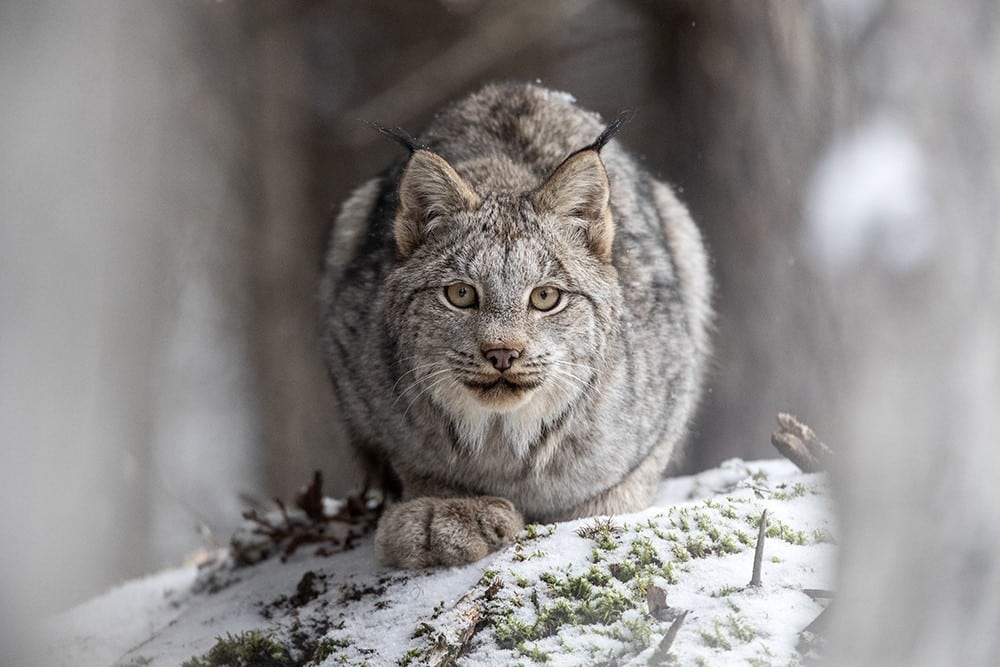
507, 191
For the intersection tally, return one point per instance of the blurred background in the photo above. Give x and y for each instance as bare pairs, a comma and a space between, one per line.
169, 172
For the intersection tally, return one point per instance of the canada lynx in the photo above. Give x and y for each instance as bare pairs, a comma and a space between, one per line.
516, 324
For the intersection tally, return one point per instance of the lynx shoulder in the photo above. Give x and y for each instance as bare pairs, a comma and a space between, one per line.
516, 321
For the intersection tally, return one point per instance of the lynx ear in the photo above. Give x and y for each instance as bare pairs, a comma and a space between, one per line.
579, 193
429, 189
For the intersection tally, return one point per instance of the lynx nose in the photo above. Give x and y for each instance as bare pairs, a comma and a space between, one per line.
501, 357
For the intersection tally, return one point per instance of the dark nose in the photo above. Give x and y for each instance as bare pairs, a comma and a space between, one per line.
501, 357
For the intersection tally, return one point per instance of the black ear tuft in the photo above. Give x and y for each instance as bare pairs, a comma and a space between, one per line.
399, 135
624, 118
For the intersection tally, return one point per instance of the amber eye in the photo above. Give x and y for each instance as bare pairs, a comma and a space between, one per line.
461, 295
545, 298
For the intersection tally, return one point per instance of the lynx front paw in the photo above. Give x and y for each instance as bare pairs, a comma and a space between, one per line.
445, 531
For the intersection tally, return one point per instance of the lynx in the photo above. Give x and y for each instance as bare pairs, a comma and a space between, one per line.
516, 320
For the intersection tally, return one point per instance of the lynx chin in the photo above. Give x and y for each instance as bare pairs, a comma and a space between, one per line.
515, 318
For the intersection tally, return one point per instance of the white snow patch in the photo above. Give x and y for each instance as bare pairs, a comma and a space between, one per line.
375, 616
103, 629
867, 200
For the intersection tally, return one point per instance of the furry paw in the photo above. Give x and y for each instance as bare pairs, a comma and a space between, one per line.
445, 531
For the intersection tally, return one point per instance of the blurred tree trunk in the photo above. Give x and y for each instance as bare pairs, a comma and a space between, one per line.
743, 106
893, 349
296, 408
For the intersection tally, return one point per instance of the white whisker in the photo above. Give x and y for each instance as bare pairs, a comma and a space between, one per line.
420, 383
428, 388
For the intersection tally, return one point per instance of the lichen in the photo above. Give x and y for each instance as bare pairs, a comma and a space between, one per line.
247, 649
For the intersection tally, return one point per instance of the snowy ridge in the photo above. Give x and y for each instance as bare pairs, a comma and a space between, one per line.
593, 591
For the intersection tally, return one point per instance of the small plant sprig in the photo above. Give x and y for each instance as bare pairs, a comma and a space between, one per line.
285, 532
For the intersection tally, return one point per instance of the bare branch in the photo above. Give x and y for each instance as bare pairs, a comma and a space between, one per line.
758, 555
660, 654
799, 444
463, 620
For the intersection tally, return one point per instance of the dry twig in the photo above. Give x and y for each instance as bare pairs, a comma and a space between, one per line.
799, 444
465, 618
288, 531
663, 648
758, 554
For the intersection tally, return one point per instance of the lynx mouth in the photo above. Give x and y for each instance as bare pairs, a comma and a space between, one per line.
501, 388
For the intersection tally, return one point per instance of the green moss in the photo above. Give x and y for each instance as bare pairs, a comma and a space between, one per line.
533, 531
822, 536
644, 552
780, 530
590, 598
696, 547
606, 542
605, 607
247, 649
511, 632
623, 571
724, 633
421, 630
726, 590
641, 631
738, 629
326, 648
727, 545
602, 526
763, 658
657, 530
520, 555
716, 638
533, 652
551, 618
410, 656
597, 576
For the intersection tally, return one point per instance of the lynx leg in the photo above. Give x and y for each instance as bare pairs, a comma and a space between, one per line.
633, 493
445, 531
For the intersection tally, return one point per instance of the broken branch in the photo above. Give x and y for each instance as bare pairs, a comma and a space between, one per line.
758, 555
799, 444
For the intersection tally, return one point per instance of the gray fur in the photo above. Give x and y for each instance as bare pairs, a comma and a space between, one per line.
491, 200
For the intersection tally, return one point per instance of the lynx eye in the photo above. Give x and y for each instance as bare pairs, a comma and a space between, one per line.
461, 295
545, 298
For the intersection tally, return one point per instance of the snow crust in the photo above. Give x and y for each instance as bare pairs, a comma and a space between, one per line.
376, 616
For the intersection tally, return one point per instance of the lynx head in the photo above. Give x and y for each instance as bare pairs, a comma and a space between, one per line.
502, 300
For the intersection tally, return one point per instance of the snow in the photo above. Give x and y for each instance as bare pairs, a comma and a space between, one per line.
376, 616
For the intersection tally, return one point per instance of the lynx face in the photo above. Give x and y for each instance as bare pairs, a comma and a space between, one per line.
501, 308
